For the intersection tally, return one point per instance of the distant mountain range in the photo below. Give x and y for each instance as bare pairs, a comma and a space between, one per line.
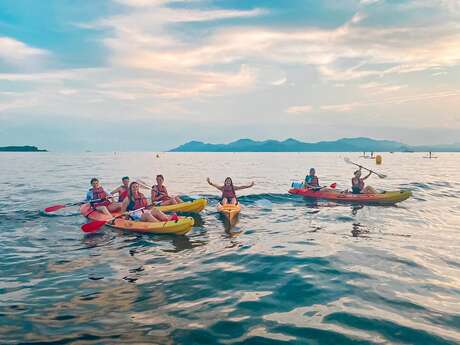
292, 145
21, 149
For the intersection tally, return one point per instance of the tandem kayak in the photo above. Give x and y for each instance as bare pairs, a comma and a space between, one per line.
181, 227
377, 198
229, 211
194, 206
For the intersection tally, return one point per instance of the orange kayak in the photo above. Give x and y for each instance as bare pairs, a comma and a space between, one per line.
229, 211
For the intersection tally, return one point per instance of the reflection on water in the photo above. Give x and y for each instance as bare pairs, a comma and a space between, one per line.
288, 270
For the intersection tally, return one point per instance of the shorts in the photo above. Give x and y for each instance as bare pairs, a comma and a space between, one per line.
355, 190
136, 216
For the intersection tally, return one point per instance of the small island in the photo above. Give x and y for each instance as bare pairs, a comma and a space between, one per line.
21, 149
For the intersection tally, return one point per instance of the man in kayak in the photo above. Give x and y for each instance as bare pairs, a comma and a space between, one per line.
122, 190
102, 204
136, 200
357, 184
311, 180
160, 194
228, 190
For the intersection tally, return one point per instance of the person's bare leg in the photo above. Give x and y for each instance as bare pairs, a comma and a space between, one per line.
114, 206
104, 210
369, 190
159, 215
178, 200
234, 201
147, 217
224, 201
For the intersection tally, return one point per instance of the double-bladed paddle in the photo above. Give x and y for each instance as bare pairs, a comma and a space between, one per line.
347, 160
55, 208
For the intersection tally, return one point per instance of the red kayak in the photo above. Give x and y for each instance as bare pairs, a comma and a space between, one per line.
334, 195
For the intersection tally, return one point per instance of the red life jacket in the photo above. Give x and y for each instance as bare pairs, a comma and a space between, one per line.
98, 193
359, 185
228, 192
161, 190
139, 201
123, 195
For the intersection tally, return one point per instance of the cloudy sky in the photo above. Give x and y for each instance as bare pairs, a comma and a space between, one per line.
152, 74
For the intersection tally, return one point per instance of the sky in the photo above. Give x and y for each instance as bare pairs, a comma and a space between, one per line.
150, 75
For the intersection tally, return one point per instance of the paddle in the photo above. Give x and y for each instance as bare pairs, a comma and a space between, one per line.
59, 207
97, 224
347, 160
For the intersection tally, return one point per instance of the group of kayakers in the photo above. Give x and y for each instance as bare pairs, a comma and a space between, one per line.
131, 199
357, 182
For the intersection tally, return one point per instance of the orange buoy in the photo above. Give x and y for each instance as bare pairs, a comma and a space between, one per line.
378, 160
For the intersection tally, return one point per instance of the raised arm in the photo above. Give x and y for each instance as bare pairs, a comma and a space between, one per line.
215, 185
244, 186
370, 173
116, 191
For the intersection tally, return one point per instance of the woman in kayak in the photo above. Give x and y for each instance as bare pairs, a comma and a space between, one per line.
311, 180
122, 190
102, 204
357, 184
228, 190
160, 194
137, 200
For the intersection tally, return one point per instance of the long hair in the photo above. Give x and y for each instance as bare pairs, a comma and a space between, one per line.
231, 184
130, 191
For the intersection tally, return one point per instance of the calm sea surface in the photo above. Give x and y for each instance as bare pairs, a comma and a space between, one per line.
289, 272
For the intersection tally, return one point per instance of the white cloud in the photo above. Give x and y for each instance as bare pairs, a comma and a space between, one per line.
18, 53
299, 109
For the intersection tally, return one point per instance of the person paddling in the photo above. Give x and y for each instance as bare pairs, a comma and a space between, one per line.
160, 194
311, 180
357, 184
228, 190
122, 190
136, 200
103, 205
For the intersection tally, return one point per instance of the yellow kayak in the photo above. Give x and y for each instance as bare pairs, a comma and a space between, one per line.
181, 227
229, 211
194, 206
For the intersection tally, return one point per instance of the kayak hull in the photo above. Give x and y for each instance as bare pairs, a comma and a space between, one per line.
385, 198
229, 211
195, 206
181, 227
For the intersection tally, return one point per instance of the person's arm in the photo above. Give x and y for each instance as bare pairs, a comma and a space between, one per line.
89, 196
124, 205
215, 185
116, 191
243, 187
370, 173
153, 195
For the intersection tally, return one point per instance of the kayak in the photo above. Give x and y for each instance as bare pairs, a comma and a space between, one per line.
333, 195
229, 211
181, 227
194, 206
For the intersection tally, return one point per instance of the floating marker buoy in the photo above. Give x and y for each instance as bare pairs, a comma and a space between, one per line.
378, 160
